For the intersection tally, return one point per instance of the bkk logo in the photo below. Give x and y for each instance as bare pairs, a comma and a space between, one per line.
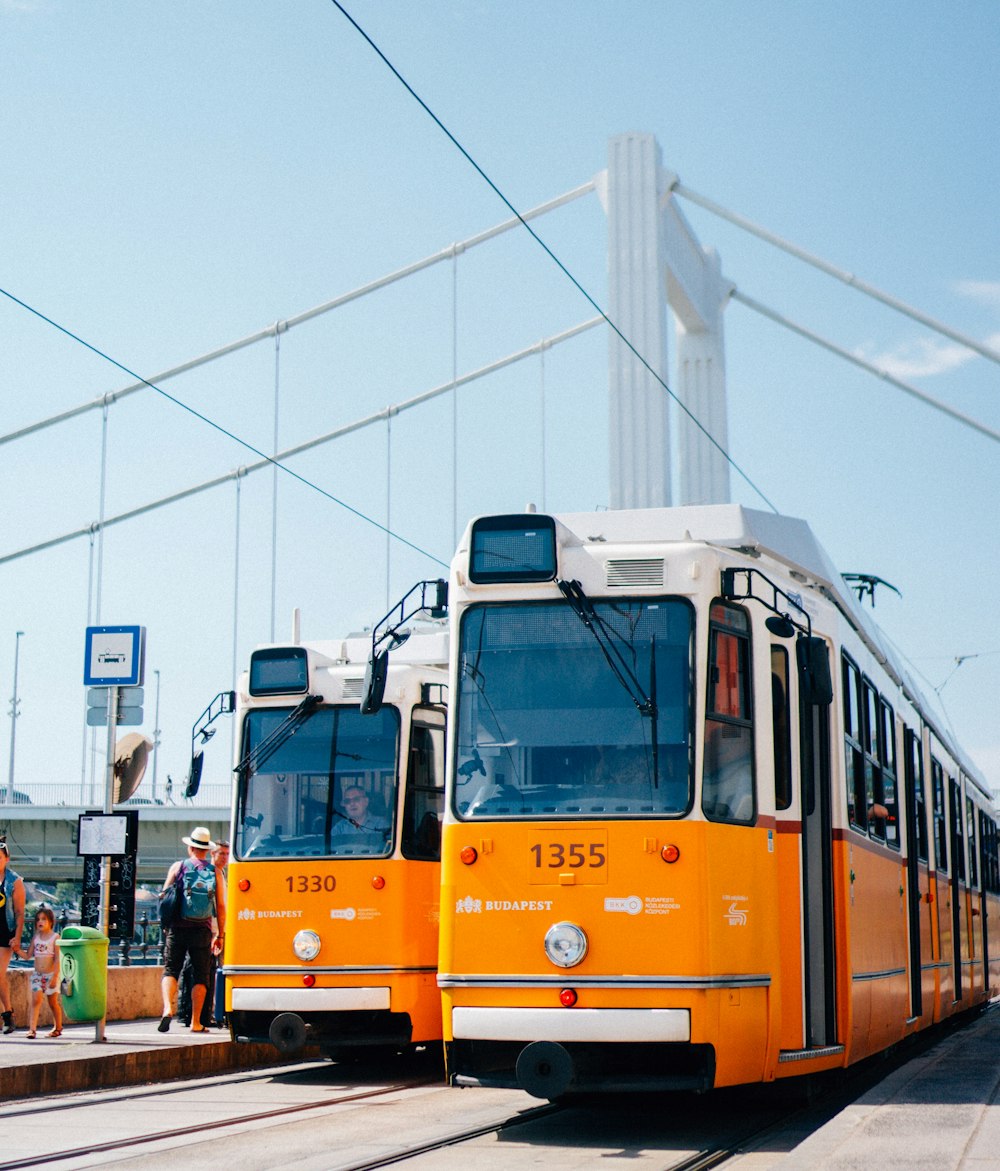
631, 906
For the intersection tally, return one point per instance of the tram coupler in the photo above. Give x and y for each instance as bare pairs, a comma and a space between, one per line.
288, 1032
545, 1070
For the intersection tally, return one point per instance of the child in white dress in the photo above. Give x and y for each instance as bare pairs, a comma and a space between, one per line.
44, 950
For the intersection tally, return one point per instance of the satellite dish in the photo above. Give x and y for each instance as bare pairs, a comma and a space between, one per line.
131, 756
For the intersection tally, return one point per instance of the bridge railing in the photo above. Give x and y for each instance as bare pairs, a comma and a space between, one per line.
88, 797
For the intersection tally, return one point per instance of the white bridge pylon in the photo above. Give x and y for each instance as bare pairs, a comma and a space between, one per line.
655, 260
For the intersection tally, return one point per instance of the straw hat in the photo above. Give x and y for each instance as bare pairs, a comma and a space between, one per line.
200, 838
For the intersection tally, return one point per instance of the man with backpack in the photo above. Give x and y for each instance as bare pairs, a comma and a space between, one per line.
203, 899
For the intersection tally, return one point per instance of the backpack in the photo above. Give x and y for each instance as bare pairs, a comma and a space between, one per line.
199, 891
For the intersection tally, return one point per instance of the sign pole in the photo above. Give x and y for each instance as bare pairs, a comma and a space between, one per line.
109, 804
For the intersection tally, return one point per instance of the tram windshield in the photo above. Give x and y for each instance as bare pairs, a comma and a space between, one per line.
556, 719
327, 790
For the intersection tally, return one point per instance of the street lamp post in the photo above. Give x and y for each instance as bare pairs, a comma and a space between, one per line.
156, 731
9, 795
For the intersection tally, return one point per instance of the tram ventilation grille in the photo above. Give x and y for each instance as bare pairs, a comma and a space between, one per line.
353, 688
646, 572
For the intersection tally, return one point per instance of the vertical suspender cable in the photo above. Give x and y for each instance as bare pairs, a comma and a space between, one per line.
90, 602
541, 359
388, 505
100, 573
274, 475
454, 399
236, 593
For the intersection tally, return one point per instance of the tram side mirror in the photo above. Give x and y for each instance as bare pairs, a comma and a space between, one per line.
194, 774
815, 680
374, 686
780, 625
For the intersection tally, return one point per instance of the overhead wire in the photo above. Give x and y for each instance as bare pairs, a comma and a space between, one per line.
267, 460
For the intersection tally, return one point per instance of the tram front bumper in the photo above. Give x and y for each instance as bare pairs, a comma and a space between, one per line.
552, 1052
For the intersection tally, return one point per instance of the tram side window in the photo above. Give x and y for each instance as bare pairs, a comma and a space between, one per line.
970, 829
424, 803
728, 784
991, 862
955, 799
887, 759
780, 717
940, 824
915, 781
875, 807
854, 761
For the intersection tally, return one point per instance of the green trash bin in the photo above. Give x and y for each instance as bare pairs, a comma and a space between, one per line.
83, 973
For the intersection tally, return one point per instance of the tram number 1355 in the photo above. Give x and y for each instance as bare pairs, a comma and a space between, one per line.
553, 857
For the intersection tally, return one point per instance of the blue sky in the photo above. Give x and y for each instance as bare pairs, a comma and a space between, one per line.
175, 177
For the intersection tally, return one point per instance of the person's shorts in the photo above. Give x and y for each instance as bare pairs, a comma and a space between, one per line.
193, 939
46, 982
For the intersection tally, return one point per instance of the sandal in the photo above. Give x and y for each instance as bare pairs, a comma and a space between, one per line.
31, 1035
54, 1033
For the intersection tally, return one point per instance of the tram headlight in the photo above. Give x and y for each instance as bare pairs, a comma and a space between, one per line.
306, 945
565, 944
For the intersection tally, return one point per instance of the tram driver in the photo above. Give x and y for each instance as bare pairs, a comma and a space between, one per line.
356, 817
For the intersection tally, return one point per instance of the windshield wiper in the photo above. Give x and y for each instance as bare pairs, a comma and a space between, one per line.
262, 752
583, 608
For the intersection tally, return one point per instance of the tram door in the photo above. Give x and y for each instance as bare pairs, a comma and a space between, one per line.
916, 861
957, 879
817, 876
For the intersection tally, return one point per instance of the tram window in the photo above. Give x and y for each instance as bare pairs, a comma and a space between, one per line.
854, 763
970, 829
727, 784
424, 803
955, 810
876, 813
991, 862
854, 753
781, 726
940, 824
887, 757
291, 801
914, 766
546, 727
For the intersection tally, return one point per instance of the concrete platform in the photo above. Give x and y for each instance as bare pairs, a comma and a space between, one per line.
132, 1053
939, 1112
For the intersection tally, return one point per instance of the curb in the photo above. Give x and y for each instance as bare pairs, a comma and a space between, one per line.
139, 1067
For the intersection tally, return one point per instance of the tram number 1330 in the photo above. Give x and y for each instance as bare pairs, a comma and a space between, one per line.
554, 858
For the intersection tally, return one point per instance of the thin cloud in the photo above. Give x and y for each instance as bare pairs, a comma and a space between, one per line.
918, 359
927, 356
987, 292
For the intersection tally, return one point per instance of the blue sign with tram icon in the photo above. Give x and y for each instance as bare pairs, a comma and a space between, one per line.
115, 656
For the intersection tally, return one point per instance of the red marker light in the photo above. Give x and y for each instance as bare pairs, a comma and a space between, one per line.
670, 853
309, 980
568, 997
378, 882
468, 855
244, 884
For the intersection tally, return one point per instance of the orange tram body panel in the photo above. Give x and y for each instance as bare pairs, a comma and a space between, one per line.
701, 829
334, 884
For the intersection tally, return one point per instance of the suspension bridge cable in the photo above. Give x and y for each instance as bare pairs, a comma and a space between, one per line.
287, 323
580, 288
848, 278
309, 444
870, 367
267, 460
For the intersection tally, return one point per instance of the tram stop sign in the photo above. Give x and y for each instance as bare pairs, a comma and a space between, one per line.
115, 656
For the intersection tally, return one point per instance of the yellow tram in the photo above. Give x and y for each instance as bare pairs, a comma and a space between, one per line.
333, 886
700, 829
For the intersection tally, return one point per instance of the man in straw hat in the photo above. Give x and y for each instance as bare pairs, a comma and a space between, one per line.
191, 933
